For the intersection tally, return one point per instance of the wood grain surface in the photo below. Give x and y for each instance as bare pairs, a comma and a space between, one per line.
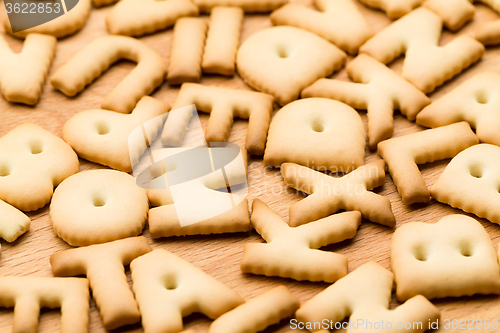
220, 255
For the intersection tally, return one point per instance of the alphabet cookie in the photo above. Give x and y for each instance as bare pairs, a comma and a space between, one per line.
102, 136
249, 6
380, 90
454, 257
32, 162
453, 13
338, 21
258, 313
470, 182
427, 65
402, 154
141, 17
17, 83
318, 133
223, 104
13, 223
103, 266
98, 206
223, 40
394, 9
489, 33
187, 50
330, 194
364, 297
278, 61
293, 252
474, 101
66, 25
97, 56
168, 288
28, 294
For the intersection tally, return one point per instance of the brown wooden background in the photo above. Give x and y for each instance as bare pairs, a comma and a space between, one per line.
220, 255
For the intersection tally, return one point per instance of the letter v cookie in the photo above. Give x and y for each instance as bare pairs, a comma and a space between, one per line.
427, 65
97, 56
13, 223
338, 21
168, 288
141, 17
364, 295
380, 90
32, 162
404, 153
329, 194
470, 182
102, 136
293, 252
258, 313
103, 266
23, 74
474, 101
28, 294
223, 104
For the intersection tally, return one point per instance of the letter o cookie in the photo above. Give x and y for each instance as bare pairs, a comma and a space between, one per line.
98, 206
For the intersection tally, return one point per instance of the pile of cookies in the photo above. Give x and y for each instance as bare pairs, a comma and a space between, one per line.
300, 121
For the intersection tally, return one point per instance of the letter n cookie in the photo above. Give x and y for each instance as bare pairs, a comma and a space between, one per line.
453, 257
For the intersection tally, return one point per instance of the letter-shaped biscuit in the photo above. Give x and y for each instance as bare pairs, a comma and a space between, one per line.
223, 40
329, 194
427, 65
338, 21
258, 313
474, 101
99, 55
98, 206
13, 223
404, 153
65, 25
168, 288
470, 182
223, 104
23, 74
103, 266
215, 212
318, 133
454, 257
140, 17
380, 90
292, 252
187, 50
489, 33
364, 295
102, 136
28, 294
279, 61
454, 13
32, 162
394, 9
249, 6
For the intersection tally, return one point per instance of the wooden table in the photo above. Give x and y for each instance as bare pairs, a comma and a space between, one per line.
220, 255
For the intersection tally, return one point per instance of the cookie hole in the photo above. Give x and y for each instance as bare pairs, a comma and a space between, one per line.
102, 129
282, 52
36, 148
4, 171
476, 171
466, 250
420, 253
481, 97
317, 126
98, 201
171, 283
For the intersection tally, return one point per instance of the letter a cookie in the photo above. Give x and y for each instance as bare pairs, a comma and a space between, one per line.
329, 194
293, 252
427, 65
380, 90
364, 295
